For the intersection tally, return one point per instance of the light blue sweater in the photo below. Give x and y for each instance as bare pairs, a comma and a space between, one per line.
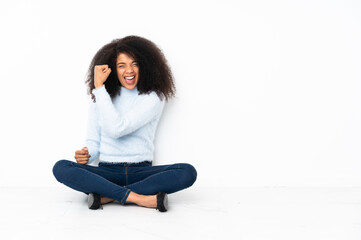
122, 129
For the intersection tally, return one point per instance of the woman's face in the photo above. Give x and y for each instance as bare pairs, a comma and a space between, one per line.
127, 71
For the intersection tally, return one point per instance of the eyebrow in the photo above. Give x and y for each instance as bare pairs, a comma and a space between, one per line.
124, 62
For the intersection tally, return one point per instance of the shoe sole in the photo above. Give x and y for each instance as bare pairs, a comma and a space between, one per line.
91, 202
165, 202
162, 202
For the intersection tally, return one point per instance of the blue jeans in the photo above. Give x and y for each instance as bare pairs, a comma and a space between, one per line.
116, 181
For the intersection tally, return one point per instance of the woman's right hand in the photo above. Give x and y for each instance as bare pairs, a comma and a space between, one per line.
101, 73
82, 156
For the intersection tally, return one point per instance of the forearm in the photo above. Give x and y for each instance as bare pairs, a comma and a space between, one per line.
92, 140
109, 118
93, 149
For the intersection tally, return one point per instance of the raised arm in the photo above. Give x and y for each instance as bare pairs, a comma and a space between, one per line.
116, 125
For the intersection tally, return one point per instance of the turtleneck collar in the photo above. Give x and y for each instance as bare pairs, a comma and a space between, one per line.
128, 91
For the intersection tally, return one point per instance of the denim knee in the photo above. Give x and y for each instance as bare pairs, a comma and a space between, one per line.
60, 168
189, 175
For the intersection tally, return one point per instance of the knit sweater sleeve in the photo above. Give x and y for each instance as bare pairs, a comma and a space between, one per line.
116, 125
92, 140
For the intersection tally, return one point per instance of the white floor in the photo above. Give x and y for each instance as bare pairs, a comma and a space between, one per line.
196, 213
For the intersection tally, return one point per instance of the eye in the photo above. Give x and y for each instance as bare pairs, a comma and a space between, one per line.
135, 64
120, 65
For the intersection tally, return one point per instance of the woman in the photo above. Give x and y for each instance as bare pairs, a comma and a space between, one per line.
129, 81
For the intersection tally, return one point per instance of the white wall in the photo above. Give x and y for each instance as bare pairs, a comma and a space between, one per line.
268, 91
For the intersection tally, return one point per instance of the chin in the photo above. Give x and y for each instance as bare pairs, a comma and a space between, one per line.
130, 87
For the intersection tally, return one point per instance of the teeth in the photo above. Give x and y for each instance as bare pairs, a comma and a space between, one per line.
129, 78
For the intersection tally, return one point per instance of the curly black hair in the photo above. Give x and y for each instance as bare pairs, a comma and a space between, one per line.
154, 72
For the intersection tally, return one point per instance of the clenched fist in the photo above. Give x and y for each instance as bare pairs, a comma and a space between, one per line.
82, 156
101, 73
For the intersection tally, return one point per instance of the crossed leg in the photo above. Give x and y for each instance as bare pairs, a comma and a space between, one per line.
137, 185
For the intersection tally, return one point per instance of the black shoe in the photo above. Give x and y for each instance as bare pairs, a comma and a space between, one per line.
94, 201
162, 202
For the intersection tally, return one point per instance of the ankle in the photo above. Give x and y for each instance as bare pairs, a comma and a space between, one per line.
105, 200
150, 201
143, 200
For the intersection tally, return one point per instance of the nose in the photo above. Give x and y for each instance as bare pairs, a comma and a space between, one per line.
129, 69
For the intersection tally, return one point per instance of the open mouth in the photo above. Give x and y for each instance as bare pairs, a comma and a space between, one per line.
130, 80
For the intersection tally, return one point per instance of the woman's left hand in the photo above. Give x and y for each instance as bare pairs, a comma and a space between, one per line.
82, 156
